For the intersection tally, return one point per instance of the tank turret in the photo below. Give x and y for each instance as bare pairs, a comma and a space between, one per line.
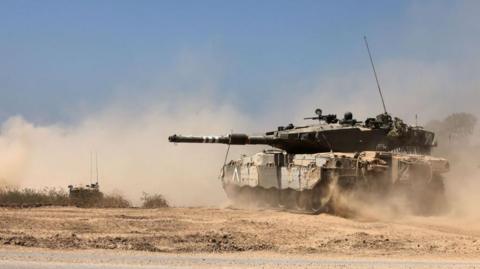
381, 133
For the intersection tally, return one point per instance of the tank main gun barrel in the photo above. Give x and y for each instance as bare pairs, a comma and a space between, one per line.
232, 139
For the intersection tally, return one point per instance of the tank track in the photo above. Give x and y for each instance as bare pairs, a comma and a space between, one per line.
313, 201
427, 199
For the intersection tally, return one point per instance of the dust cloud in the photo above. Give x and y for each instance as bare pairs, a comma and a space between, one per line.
458, 137
134, 155
458, 142
463, 183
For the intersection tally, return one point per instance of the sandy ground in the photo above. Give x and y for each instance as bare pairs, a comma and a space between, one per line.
201, 230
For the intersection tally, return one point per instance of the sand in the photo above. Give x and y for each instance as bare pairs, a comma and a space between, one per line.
223, 230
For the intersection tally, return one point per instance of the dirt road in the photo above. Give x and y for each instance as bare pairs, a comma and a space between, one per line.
15, 258
210, 230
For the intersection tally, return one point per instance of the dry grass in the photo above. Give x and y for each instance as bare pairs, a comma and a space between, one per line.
15, 197
30, 197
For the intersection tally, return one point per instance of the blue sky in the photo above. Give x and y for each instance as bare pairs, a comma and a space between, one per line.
62, 58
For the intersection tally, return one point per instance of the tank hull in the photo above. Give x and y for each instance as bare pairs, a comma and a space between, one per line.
312, 182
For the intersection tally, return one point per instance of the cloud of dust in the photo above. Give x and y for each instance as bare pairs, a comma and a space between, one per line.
457, 206
463, 182
133, 152
135, 156
130, 137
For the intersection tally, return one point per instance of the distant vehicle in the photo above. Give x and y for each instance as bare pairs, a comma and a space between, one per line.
87, 195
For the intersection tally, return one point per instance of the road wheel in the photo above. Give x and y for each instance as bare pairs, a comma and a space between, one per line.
304, 200
322, 194
289, 198
272, 198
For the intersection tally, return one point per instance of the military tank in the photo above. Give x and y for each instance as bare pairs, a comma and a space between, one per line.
308, 166
85, 196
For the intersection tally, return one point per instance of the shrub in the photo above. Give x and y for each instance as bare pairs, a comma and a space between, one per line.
10, 196
114, 201
154, 201
27, 197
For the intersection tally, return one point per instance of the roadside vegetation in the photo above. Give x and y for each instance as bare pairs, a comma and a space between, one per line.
11, 196
28, 197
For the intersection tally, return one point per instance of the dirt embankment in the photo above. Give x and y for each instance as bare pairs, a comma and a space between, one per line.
227, 230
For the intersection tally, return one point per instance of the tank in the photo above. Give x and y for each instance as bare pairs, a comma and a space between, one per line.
310, 165
85, 196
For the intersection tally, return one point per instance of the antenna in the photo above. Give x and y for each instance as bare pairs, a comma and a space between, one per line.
375, 73
96, 165
91, 167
